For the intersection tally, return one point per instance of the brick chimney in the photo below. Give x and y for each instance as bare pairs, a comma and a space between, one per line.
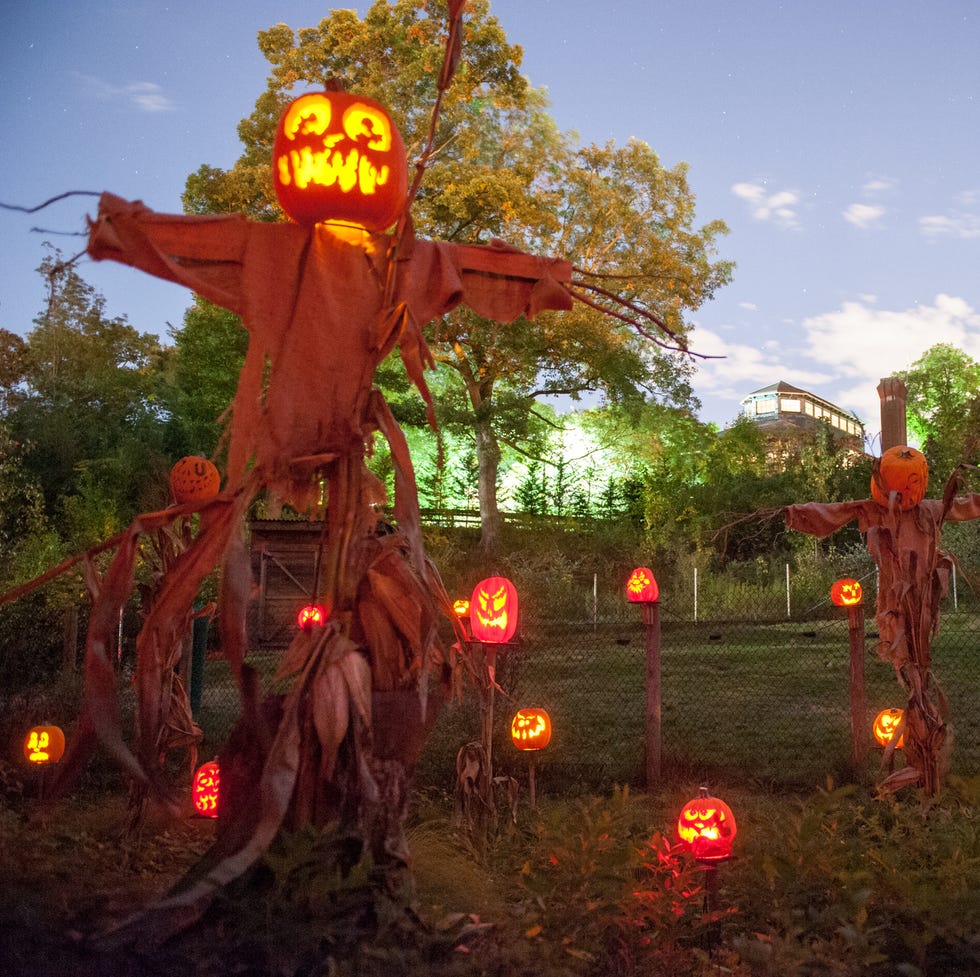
894, 395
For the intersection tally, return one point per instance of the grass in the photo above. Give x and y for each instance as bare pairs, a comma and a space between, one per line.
826, 881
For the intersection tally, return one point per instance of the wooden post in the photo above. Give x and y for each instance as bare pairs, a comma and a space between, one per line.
651, 621
893, 395
490, 662
859, 733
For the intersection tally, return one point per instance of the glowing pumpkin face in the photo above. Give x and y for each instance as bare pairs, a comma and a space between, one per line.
204, 791
493, 611
886, 725
902, 470
530, 729
44, 744
845, 592
461, 607
312, 616
338, 157
641, 588
194, 479
707, 827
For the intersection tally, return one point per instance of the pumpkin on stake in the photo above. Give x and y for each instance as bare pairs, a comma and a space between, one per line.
530, 731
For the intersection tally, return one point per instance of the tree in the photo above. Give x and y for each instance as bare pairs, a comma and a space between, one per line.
943, 407
84, 397
209, 350
503, 171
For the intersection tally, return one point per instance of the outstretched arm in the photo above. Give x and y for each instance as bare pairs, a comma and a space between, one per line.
204, 253
822, 518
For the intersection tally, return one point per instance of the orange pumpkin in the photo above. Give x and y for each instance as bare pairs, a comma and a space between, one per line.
194, 479
530, 729
311, 616
493, 611
707, 827
902, 470
845, 592
205, 789
44, 744
641, 588
339, 157
886, 725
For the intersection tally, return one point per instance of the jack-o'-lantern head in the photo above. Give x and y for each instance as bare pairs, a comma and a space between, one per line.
530, 729
205, 789
339, 158
641, 587
707, 827
311, 616
902, 470
44, 744
493, 611
886, 725
845, 592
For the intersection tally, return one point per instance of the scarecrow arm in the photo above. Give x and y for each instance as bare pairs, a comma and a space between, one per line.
822, 518
964, 508
495, 281
204, 253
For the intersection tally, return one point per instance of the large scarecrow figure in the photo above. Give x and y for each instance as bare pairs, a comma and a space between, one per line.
324, 299
902, 530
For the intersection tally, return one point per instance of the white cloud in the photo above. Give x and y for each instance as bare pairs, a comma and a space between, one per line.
748, 306
961, 226
863, 215
879, 184
742, 368
778, 207
859, 344
147, 96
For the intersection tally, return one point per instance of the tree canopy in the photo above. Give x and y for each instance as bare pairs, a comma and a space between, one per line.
502, 170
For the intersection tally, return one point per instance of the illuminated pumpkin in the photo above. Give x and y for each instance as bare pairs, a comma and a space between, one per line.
204, 790
194, 479
44, 744
845, 592
311, 616
641, 588
461, 607
886, 724
530, 729
707, 827
902, 470
339, 157
493, 610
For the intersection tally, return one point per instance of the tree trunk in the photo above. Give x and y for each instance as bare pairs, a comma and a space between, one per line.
488, 460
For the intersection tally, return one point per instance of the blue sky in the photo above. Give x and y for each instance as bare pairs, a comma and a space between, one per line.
839, 141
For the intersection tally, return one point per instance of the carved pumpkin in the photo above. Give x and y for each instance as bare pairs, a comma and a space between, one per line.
530, 729
339, 157
194, 479
205, 789
707, 827
44, 744
493, 611
461, 607
641, 588
886, 724
312, 616
902, 470
845, 592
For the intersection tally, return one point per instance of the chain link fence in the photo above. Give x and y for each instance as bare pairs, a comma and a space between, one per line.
760, 694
